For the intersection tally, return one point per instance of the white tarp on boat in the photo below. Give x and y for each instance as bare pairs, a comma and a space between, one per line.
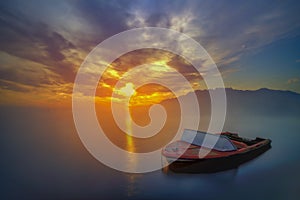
211, 141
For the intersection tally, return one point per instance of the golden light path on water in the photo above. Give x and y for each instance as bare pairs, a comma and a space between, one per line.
128, 91
129, 141
132, 178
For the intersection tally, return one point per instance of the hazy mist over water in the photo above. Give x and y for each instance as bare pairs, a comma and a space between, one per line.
43, 158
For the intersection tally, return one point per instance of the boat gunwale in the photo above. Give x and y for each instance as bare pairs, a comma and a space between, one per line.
241, 151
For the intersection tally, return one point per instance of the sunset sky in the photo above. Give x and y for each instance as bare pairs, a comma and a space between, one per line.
255, 44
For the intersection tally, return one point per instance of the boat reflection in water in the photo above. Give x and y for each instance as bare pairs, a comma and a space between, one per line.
229, 152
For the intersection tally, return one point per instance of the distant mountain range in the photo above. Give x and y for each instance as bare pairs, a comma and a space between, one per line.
263, 102
252, 102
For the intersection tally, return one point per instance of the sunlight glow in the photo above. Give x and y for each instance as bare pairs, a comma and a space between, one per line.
127, 90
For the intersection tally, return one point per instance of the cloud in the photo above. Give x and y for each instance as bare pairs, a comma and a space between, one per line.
23, 81
226, 30
13, 86
44, 43
151, 65
35, 41
160, 61
104, 19
27, 72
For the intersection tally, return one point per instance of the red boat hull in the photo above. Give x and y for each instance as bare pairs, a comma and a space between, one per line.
189, 161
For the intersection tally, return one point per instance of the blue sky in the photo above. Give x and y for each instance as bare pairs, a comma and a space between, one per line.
276, 66
254, 43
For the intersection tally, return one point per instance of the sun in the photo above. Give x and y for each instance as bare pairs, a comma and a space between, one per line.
127, 90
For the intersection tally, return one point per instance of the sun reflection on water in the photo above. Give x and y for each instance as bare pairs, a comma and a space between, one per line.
129, 140
131, 162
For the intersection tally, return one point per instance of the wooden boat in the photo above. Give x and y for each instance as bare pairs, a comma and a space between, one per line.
200, 152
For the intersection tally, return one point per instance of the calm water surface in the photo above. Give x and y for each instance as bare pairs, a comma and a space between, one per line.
43, 158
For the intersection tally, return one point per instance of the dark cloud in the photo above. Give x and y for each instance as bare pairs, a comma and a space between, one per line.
232, 26
181, 65
7, 85
227, 30
57, 43
136, 58
151, 88
26, 76
105, 18
35, 41
148, 56
224, 28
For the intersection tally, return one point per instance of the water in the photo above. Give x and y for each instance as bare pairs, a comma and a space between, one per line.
43, 158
